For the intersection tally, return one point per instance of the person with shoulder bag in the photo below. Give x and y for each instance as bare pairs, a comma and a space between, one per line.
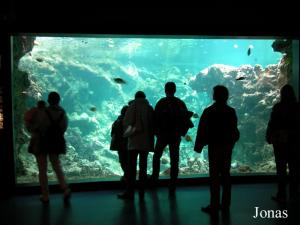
52, 144
138, 126
119, 142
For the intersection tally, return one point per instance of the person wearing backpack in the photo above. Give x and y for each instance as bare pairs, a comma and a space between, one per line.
52, 144
169, 127
119, 143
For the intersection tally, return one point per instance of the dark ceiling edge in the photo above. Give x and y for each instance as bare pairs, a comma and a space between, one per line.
212, 21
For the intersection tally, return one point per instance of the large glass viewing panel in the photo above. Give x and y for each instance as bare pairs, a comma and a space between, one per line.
97, 75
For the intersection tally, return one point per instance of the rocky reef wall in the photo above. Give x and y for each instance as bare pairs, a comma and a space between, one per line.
20, 83
286, 63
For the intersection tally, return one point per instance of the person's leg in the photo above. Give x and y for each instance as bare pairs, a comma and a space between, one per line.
143, 156
214, 173
133, 154
54, 159
293, 181
174, 157
158, 151
43, 179
123, 159
226, 181
281, 170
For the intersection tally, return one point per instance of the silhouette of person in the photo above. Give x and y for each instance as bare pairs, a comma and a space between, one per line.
52, 143
281, 133
119, 143
138, 124
218, 129
168, 129
32, 119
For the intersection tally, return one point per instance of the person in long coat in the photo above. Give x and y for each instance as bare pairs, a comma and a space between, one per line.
47, 144
138, 127
218, 129
283, 134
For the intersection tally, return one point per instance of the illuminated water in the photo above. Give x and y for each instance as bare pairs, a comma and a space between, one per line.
82, 71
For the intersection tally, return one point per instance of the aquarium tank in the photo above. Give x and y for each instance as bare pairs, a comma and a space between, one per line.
97, 75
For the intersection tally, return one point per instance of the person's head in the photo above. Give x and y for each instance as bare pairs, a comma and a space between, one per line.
53, 98
123, 110
170, 88
139, 94
220, 94
41, 104
287, 94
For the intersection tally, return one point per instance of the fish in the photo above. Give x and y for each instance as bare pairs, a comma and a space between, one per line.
234, 165
164, 161
195, 115
240, 78
119, 80
93, 109
249, 51
188, 138
39, 59
24, 93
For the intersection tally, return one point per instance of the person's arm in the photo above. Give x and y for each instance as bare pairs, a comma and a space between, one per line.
201, 138
129, 118
157, 117
184, 106
64, 124
112, 131
236, 133
271, 125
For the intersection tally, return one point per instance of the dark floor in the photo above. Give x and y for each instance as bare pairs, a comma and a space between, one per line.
103, 208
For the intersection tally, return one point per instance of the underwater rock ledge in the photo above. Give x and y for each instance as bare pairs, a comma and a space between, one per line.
21, 46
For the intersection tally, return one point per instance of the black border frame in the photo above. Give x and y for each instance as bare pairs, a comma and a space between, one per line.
227, 19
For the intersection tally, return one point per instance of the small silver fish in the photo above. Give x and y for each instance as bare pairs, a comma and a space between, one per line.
234, 165
24, 93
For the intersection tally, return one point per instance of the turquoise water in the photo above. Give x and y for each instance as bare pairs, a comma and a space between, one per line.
82, 70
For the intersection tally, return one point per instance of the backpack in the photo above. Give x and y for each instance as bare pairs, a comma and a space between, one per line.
175, 119
53, 140
118, 142
116, 135
186, 122
29, 116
